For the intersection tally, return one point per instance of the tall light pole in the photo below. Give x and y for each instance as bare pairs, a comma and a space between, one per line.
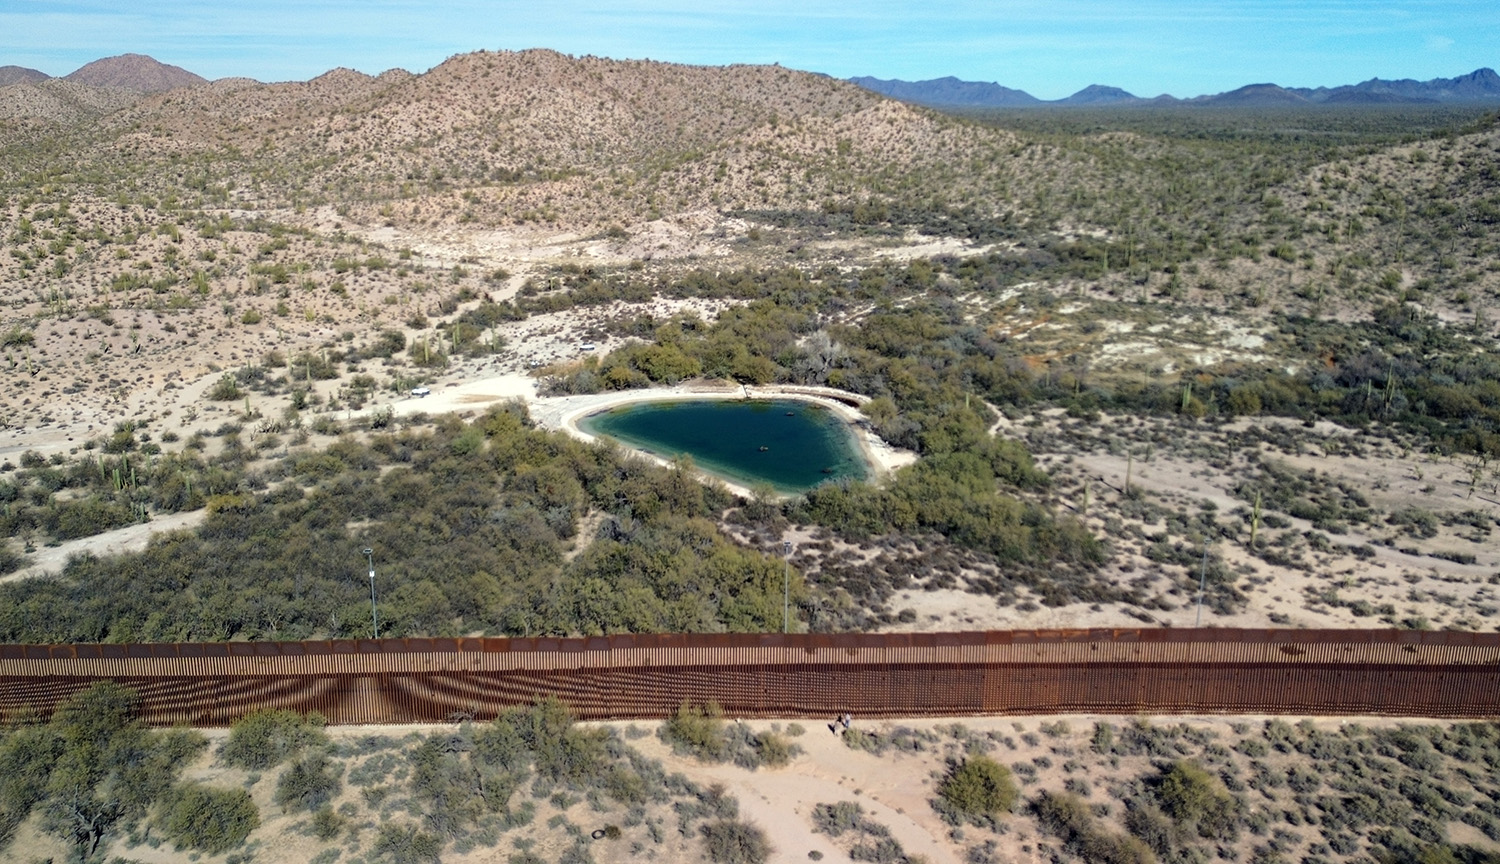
1202, 583
786, 586
374, 621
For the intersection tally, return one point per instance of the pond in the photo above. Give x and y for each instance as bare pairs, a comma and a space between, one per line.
789, 444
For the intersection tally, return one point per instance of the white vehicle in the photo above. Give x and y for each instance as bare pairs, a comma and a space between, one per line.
589, 346
419, 392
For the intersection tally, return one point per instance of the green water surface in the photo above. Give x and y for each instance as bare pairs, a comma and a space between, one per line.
789, 444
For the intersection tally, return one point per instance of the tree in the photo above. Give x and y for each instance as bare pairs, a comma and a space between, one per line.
1193, 797
406, 844
210, 820
93, 766
307, 784
979, 786
265, 738
732, 842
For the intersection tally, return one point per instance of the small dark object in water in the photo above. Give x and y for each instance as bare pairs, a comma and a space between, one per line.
764, 448
791, 413
827, 470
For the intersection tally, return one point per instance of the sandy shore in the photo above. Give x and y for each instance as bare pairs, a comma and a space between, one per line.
564, 413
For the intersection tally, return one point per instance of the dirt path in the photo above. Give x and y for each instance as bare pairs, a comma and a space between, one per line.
131, 538
826, 773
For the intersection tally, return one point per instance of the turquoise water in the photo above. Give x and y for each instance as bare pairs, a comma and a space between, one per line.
791, 445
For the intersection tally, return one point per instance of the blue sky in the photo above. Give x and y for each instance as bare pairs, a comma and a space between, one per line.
1048, 47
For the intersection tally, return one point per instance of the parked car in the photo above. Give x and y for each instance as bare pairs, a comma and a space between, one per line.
421, 391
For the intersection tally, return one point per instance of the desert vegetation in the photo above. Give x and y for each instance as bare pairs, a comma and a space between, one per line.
1153, 367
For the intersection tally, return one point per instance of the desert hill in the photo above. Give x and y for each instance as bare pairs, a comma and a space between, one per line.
134, 72
60, 101
20, 75
539, 136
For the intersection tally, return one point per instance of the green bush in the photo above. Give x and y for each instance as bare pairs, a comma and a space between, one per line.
1193, 797
698, 731
406, 844
731, 842
326, 823
10, 559
774, 750
266, 738
1068, 818
225, 389
307, 784
979, 786
91, 768
209, 820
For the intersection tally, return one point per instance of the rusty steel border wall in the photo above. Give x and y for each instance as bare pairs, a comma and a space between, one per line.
1173, 671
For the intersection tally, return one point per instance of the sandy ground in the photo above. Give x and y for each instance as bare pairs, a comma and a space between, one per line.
131, 538
563, 413
894, 789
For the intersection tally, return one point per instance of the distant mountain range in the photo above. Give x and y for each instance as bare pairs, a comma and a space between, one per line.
1480, 86
126, 72
141, 74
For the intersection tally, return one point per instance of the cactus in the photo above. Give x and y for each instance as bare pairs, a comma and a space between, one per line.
1255, 520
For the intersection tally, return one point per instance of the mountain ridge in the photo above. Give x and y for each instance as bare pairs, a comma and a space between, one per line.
134, 72
20, 75
1481, 86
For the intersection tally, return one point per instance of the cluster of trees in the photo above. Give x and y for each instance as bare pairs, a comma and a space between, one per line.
1400, 366
930, 372
702, 732
471, 523
1401, 369
98, 492
1264, 794
467, 786
93, 771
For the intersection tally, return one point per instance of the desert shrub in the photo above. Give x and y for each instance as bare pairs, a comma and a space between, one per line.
1103, 741
10, 559
307, 784
732, 842
978, 787
226, 389
265, 738
880, 850
209, 820
453, 790
775, 750
870, 742
1193, 797
327, 823
544, 735
373, 770
697, 730
91, 768
405, 844
1068, 818
1152, 826
835, 819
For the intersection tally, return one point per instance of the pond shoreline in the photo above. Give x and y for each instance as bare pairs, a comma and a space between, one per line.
564, 413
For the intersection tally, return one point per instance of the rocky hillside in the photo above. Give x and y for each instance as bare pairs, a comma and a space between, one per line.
535, 136
19, 75
135, 72
60, 101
